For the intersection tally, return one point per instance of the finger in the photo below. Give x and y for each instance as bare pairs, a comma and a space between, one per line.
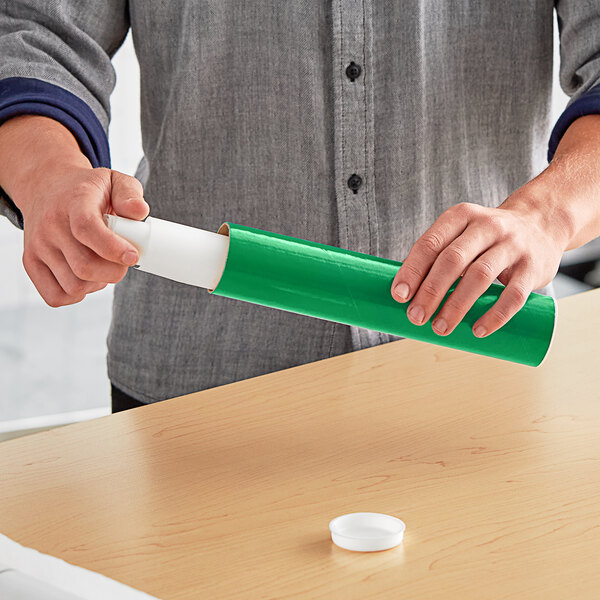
46, 284
448, 266
510, 302
71, 284
426, 249
127, 197
88, 266
476, 280
89, 228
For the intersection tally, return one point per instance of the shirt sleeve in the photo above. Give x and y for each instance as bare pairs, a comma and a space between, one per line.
579, 29
55, 61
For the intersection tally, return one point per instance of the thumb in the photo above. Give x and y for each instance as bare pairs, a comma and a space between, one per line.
127, 197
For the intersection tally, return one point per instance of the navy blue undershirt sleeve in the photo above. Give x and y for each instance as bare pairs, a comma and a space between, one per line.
588, 104
26, 96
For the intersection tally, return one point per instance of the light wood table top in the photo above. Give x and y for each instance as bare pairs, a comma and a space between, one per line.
494, 467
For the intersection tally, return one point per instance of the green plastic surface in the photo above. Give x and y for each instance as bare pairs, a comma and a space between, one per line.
353, 288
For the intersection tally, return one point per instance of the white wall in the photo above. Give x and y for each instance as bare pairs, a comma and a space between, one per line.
124, 133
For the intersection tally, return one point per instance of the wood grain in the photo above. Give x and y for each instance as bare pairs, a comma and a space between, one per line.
494, 467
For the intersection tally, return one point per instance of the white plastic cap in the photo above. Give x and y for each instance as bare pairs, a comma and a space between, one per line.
178, 252
366, 532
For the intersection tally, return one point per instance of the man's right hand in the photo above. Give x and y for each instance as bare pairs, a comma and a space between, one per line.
69, 252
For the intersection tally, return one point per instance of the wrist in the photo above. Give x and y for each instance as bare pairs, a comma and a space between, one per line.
542, 204
33, 151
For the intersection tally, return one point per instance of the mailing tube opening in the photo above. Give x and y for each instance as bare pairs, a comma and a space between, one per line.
224, 231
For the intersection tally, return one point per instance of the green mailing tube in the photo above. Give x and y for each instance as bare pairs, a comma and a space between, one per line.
349, 287
324, 282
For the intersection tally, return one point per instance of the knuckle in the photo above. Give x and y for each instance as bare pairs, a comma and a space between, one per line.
54, 299
96, 181
116, 275
75, 288
101, 175
518, 294
36, 240
101, 172
454, 255
84, 188
82, 223
432, 242
462, 208
527, 262
514, 243
129, 181
83, 269
137, 184
28, 259
498, 225
410, 270
482, 270
453, 306
430, 289
499, 315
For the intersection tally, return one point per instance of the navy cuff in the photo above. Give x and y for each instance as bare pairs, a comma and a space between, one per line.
588, 104
25, 96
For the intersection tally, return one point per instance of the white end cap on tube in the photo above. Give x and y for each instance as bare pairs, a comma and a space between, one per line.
178, 252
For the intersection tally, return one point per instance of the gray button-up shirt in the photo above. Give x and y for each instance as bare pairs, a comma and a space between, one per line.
248, 115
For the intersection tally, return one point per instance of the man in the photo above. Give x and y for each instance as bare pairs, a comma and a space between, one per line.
390, 128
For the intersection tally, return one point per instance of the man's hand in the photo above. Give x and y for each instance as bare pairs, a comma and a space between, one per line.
511, 244
520, 243
68, 250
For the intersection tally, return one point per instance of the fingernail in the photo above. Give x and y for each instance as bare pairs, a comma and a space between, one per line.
130, 258
416, 313
480, 331
402, 291
440, 325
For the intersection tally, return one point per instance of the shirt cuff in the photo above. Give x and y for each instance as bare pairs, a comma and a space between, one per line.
588, 104
26, 96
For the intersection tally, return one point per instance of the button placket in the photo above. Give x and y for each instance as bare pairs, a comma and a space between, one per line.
353, 124
354, 135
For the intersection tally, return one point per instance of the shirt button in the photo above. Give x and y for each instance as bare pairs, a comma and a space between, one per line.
353, 71
354, 182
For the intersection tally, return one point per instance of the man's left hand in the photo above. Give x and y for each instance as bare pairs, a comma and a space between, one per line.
514, 243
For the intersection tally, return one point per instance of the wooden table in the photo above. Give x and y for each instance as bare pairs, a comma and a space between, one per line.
494, 467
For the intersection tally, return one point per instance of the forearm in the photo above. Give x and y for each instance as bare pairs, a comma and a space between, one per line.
567, 193
32, 149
